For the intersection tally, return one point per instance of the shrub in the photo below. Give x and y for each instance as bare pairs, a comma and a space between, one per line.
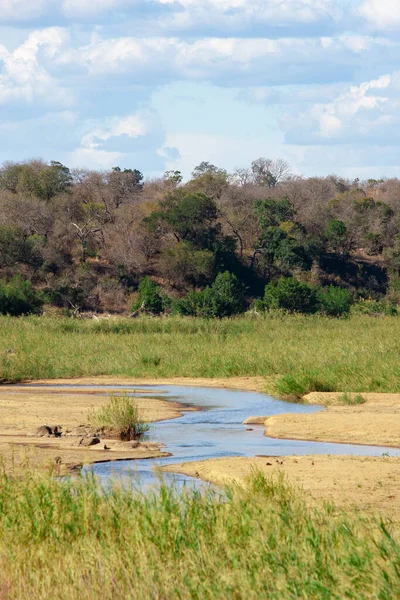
150, 297
335, 301
375, 307
223, 299
122, 415
17, 297
292, 295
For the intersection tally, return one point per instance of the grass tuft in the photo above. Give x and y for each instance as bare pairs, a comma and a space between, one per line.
351, 399
121, 414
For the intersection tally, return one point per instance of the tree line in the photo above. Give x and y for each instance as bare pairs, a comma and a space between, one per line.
84, 240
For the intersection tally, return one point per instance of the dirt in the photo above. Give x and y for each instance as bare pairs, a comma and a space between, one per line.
251, 384
376, 423
23, 411
365, 482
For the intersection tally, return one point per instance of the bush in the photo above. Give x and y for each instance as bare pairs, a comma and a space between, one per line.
335, 301
122, 415
17, 297
375, 307
223, 299
150, 297
291, 295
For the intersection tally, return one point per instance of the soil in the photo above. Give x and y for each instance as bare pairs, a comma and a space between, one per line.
23, 411
368, 483
376, 423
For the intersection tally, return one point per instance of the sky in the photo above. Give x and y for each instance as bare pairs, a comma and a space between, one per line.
165, 84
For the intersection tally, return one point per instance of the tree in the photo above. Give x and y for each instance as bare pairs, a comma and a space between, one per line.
189, 217
337, 237
291, 295
173, 178
17, 298
269, 173
184, 265
223, 299
150, 298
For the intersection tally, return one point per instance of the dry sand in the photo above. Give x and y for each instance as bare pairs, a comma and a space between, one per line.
368, 483
251, 384
22, 411
377, 422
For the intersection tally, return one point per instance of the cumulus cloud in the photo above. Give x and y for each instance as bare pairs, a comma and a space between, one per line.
368, 113
230, 61
381, 14
23, 78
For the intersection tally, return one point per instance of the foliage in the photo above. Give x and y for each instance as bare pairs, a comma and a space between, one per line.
259, 223
185, 265
260, 542
337, 237
17, 297
120, 414
150, 297
335, 301
223, 299
291, 295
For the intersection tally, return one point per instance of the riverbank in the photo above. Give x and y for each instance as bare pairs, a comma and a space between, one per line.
369, 483
374, 422
24, 410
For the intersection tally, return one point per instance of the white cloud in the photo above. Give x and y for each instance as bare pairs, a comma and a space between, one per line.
24, 78
286, 60
21, 10
381, 14
369, 112
132, 126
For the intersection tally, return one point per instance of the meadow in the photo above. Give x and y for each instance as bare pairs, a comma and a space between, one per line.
295, 354
75, 540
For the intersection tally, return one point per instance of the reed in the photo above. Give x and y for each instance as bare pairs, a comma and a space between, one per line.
73, 539
295, 354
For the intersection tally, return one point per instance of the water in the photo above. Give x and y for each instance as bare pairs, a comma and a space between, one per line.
216, 431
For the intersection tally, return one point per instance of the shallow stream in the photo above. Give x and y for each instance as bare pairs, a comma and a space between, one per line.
216, 431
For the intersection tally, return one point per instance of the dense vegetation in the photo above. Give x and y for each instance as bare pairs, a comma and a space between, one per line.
73, 540
294, 354
85, 240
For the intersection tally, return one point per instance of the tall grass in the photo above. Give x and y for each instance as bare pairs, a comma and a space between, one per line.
121, 415
300, 353
73, 540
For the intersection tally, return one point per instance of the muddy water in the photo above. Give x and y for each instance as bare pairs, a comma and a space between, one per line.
217, 431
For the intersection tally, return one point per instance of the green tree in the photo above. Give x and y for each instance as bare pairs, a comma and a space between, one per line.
337, 237
291, 295
150, 297
17, 298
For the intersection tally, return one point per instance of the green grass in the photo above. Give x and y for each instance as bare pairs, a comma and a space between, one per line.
120, 414
63, 539
296, 354
351, 399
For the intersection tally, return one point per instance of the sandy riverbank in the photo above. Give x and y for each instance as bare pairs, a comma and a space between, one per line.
369, 483
376, 422
251, 384
22, 411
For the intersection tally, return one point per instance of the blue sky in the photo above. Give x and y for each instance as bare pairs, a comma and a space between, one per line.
165, 84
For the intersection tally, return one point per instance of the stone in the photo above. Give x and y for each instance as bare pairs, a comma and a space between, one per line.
87, 442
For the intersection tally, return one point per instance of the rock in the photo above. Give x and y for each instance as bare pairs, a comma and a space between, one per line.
126, 446
249, 429
86, 442
255, 421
